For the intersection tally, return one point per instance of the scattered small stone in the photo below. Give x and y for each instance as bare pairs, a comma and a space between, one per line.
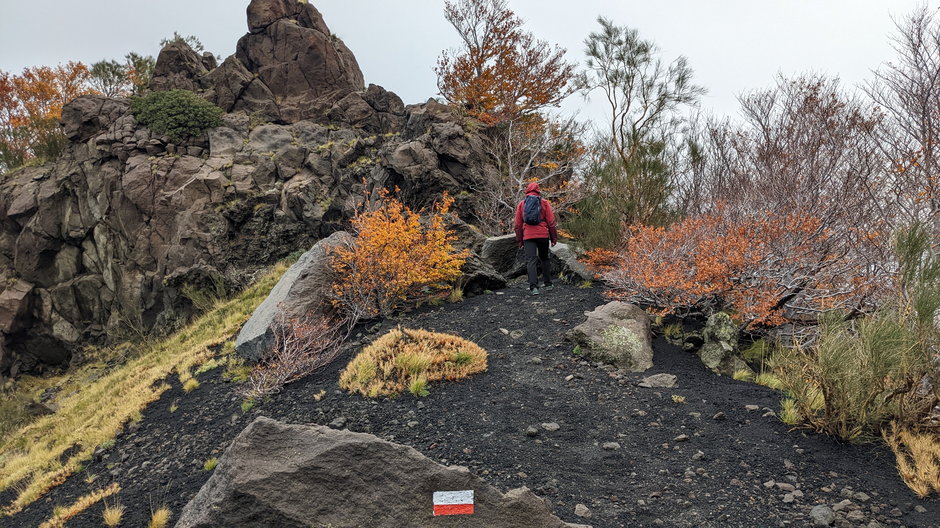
531, 431
719, 416
920, 509
569, 377
769, 484
855, 516
662, 380
522, 474
412, 423
875, 524
698, 455
895, 512
551, 426
783, 486
504, 331
752, 408
736, 482
822, 515
861, 496
788, 498
611, 446
338, 423
516, 334
841, 505
681, 438
787, 464
582, 511
536, 360
420, 405
798, 494
695, 415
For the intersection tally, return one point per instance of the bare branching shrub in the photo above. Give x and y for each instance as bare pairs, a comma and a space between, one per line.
905, 89
526, 149
301, 346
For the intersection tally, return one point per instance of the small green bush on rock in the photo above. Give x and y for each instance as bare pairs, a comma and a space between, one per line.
177, 114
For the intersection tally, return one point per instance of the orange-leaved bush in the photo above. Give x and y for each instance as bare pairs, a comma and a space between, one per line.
762, 267
396, 257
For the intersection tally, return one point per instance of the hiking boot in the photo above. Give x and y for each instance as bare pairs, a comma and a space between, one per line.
548, 287
534, 291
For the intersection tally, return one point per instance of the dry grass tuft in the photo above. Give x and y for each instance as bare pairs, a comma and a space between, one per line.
159, 518
44, 453
405, 359
112, 514
62, 514
918, 458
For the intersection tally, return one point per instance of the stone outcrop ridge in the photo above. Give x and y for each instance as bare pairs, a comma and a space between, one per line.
107, 239
275, 474
287, 68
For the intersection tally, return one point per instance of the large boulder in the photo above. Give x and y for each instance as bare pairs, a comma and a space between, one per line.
302, 291
292, 51
275, 474
719, 352
617, 333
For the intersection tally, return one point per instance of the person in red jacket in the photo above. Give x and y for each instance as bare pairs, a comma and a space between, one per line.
535, 229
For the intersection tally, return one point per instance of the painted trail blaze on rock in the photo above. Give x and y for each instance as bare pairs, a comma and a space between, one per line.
453, 502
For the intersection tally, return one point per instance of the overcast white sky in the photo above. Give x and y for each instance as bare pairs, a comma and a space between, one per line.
733, 45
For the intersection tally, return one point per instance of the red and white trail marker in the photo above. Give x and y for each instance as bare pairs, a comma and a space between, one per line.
453, 502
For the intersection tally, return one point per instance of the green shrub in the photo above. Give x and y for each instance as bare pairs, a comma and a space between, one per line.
178, 114
863, 374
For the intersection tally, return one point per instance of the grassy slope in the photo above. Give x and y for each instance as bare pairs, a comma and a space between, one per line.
44, 453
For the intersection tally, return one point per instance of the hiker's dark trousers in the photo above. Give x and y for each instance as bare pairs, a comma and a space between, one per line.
536, 253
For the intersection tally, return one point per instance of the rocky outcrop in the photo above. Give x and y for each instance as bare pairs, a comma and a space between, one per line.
275, 474
107, 239
302, 291
305, 66
617, 333
719, 352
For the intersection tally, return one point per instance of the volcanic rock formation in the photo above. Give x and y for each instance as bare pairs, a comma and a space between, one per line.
108, 238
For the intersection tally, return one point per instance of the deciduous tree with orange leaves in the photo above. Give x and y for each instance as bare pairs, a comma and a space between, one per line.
509, 80
396, 258
501, 71
30, 107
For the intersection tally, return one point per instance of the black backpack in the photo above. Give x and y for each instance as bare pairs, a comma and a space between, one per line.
532, 210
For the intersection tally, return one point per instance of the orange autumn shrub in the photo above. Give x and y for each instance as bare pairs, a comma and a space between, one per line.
763, 268
396, 258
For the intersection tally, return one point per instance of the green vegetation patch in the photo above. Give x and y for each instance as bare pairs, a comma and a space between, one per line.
177, 114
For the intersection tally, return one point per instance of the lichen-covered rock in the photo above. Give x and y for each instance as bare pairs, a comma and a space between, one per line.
617, 333
294, 476
719, 351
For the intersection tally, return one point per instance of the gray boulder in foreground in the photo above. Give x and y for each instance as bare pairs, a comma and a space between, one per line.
617, 333
275, 474
301, 291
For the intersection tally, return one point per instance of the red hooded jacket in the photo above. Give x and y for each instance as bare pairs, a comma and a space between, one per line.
545, 229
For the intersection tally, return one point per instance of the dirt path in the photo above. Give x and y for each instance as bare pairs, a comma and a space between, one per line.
631, 455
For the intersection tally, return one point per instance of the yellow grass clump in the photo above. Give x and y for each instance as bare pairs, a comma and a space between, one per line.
918, 458
405, 359
159, 518
44, 453
113, 514
62, 514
